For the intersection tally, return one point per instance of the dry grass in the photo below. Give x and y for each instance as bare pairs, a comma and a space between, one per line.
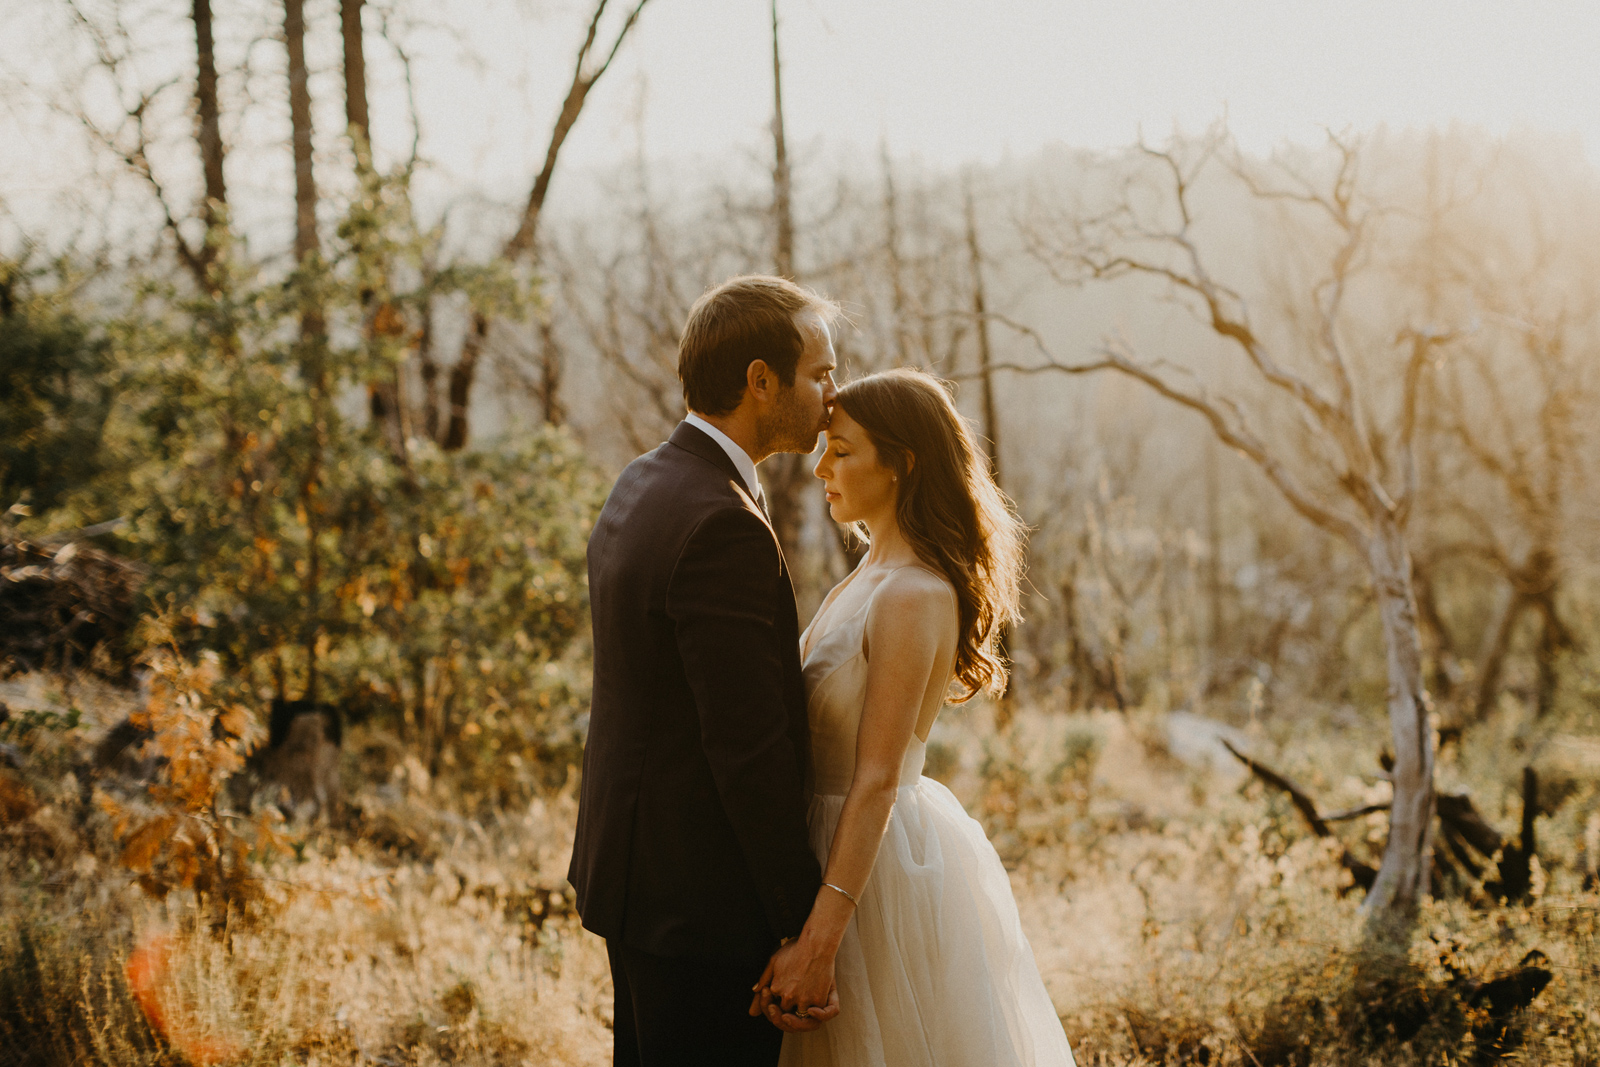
1182, 916
1178, 915
355, 957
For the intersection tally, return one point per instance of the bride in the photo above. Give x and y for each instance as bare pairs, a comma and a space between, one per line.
935, 968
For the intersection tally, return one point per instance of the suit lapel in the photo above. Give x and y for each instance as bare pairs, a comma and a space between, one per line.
697, 442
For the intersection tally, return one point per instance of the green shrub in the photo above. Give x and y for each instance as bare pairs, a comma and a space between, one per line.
54, 392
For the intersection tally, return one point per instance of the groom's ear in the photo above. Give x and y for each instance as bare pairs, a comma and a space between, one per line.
761, 380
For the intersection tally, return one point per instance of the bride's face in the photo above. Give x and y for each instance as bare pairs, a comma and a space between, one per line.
859, 487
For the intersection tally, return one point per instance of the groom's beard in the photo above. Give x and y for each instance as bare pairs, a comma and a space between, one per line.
791, 427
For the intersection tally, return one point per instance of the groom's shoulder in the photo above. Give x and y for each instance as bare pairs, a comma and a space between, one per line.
677, 476
663, 496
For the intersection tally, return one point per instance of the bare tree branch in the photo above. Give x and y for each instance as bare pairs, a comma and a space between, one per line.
583, 80
1226, 422
1225, 308
111, 51
1422, 341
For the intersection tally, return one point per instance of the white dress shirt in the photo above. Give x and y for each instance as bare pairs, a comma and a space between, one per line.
741, 459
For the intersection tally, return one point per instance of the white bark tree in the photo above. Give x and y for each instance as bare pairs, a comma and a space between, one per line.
1330, 457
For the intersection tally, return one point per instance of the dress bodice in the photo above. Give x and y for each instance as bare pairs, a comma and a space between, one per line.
836, 693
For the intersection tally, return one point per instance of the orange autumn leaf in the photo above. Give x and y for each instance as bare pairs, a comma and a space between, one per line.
236, 720
388, 322
16, 800
144, 844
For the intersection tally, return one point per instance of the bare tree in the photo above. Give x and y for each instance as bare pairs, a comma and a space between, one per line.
632, 324
306, 241
895, 267
355, 79
131, 138
991, 425
208, 131
1505, 432
524, 242
980, 317
1529, 462
313, 325
782, 187
1336, 466
786, 474
380, 318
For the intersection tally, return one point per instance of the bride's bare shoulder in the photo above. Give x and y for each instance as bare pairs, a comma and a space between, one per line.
914, 591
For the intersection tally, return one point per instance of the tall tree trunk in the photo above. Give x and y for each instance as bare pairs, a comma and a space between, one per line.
1547, 655
786, 476
991, 424
1403, 877
550, 366
459, 391
313, 326
1213, 569
1492, 658
782, 205
980, 315
355, 78
1555, 637
429, 368
305, 186
383, 389
891, 243
208, 130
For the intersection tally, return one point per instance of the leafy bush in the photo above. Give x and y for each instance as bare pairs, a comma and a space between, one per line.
321, 559
54, 392
181, 838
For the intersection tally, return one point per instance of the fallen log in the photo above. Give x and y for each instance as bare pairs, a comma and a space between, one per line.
1516, 861
65, 606
1361, 873
1465, 842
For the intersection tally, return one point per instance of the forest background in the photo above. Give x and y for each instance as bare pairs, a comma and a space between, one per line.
1300, 762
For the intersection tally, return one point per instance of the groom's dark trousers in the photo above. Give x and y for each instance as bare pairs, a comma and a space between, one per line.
691, 857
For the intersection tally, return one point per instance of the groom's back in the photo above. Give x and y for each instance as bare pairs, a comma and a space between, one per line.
691, 836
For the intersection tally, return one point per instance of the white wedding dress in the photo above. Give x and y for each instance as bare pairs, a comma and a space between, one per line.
934, 970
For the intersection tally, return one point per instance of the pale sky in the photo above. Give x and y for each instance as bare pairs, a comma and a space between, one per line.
958, 80
947, 81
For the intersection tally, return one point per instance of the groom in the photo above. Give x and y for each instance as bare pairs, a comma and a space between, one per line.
692, 857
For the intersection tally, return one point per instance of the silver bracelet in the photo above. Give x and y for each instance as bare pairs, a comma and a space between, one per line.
847, 894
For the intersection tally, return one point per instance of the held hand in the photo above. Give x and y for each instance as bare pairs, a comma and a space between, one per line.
790, 1022
797, 979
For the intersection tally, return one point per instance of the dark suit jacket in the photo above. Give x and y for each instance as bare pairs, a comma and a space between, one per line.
691, 836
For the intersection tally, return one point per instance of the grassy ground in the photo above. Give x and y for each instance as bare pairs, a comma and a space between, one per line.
1178, 914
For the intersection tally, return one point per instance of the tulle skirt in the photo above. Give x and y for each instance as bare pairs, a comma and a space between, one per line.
934, 970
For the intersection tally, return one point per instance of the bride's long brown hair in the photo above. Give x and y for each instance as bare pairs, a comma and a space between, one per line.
955, 517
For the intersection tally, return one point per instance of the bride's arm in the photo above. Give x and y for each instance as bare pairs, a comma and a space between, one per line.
911, 628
